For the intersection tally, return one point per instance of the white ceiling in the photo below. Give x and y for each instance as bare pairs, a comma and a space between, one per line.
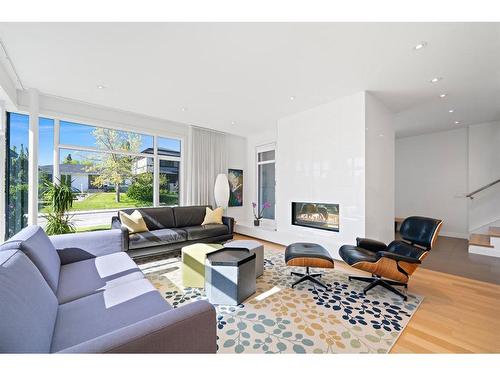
247, 72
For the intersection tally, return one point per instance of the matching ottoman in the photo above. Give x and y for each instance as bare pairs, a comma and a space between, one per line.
254, 247
193, 263
305, 254
229, 276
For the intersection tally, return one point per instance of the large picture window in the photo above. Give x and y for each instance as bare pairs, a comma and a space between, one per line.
102, 181
107, 169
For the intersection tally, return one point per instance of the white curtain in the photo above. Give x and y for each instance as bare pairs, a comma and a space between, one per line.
207, 158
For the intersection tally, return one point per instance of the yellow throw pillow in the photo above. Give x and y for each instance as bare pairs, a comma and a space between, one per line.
133, 222
213, 216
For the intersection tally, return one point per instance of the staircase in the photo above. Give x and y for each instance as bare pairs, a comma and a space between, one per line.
486, 244
484, 203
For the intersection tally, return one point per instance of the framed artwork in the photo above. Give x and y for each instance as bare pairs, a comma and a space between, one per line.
235, 177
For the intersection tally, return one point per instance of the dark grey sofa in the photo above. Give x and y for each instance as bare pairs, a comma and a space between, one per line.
171, 228
81, 293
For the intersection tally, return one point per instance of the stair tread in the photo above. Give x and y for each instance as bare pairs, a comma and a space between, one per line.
494, 231
480, 240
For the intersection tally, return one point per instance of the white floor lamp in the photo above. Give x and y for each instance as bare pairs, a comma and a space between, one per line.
221, 191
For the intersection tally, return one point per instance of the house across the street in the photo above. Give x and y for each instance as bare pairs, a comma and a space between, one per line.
81, 179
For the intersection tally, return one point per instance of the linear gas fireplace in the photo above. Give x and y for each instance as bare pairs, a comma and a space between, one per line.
316, 215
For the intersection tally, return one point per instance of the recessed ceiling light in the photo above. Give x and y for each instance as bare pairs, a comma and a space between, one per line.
100, 87
292, 97
457, 122
443, 95
420, 46
183, 109
451, 110
436, 79
233, 122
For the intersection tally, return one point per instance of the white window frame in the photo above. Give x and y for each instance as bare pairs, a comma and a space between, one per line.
14, 110
155, 156
258, 150
181, 180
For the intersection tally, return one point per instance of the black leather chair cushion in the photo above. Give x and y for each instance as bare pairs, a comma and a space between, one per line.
189, 216
370, 244
419, 230
353, 254
156, 218
396, 250
156, 237
199, 232
402, 248
306, 250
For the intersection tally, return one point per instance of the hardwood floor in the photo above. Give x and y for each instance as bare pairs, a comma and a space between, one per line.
451, 256
458, 315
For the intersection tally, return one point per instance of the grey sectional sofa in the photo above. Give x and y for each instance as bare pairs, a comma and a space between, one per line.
81, 293
171, 228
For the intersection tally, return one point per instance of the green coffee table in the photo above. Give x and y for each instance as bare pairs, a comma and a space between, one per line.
193, 263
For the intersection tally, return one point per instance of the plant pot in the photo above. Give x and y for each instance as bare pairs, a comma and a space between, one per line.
256, 222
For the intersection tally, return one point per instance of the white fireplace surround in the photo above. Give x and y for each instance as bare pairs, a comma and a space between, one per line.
340, 152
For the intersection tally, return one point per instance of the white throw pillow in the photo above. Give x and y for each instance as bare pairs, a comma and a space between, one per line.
134, 222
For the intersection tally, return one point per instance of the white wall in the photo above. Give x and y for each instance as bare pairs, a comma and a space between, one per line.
380, 170
7, 86
484, 168
434, 172
431, 175
321, 158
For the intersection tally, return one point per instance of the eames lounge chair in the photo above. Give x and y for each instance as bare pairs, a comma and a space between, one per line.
391, 265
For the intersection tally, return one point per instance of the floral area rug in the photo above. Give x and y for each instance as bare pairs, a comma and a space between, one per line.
307, 319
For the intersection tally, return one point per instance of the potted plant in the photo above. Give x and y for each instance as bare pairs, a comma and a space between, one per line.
258, 215
60, 198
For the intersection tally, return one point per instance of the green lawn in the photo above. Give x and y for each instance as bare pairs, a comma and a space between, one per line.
93, 228
103, 201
